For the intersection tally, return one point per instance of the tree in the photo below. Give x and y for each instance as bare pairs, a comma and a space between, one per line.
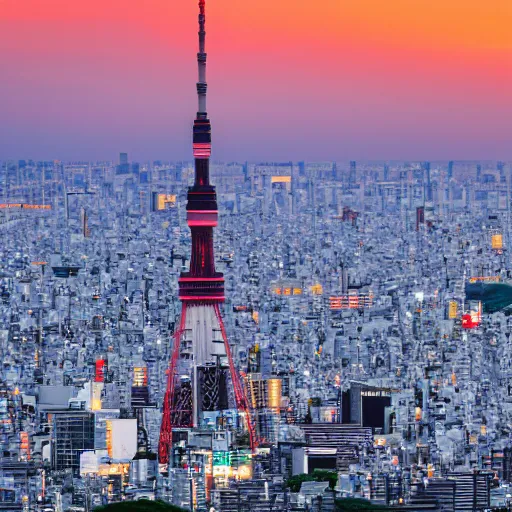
318, 475
139, 506
324, 475
295, 481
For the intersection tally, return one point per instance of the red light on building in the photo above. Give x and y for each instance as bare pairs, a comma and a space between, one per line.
100, 371
25, 445
202, 150
353, 302
469, 322
360, 301
473, 318
202, 218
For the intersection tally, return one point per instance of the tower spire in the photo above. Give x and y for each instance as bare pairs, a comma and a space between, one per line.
202, 127
201, 62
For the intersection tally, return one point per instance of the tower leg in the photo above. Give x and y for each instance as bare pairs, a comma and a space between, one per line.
165, 441
242, 403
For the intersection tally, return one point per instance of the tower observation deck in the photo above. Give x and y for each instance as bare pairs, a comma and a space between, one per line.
202, 376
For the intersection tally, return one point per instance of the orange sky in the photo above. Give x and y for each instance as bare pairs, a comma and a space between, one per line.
355, 78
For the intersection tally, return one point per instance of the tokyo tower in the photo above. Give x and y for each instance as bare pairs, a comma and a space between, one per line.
202, 376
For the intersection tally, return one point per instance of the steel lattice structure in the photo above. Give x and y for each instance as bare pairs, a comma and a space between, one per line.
196, 348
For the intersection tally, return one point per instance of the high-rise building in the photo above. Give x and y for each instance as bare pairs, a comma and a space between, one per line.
427, 181
73, 432
386, 172
500, 167
353, 173
201, 363
450, 169
124, 166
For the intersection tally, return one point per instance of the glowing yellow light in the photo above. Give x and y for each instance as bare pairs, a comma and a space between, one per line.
244, 472
163, 200
281, 179
109, 438
494, 279
222, 471
140, 377
274, 393
497, 242
317, 289
112, 469
25, 206
96, 404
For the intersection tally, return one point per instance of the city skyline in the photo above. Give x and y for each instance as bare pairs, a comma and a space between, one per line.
318, 326
85, 81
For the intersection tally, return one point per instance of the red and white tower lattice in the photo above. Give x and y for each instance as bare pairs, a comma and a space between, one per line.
201, 368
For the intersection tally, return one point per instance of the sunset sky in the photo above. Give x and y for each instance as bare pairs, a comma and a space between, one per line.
288, 79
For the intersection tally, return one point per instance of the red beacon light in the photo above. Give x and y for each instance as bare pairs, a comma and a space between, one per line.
470, 321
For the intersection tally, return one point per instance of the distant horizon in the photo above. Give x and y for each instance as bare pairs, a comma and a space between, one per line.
368, 79
261, 161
